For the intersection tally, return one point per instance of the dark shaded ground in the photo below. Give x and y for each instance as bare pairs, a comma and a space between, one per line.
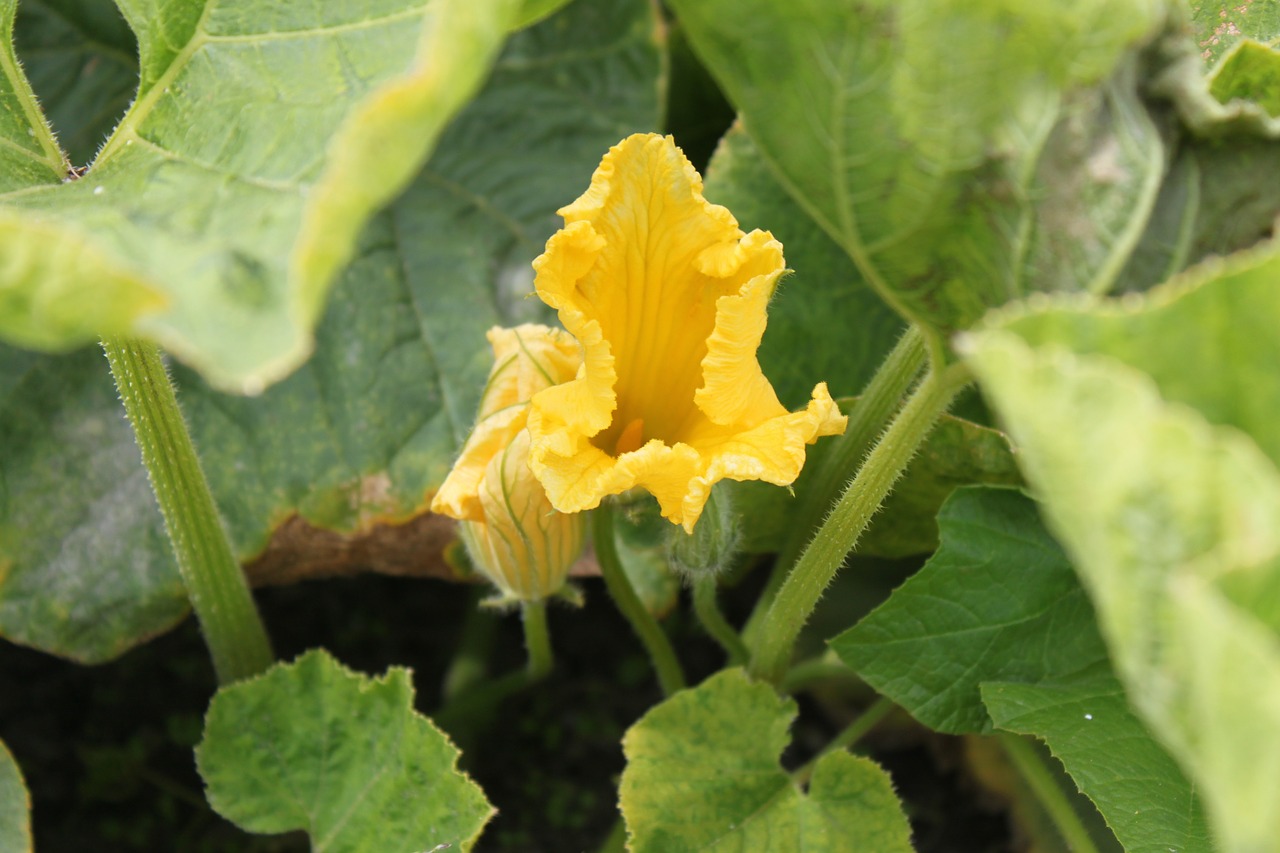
107, 750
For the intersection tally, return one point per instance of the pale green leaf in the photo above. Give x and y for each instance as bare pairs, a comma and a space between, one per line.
1148, 429
262, 138
1251, 72
963, 154
357, 440
702, 774
313, 746
1086, 721
15, 806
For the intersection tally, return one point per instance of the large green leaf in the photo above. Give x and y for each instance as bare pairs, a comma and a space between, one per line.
998, 602
15, 806
311, 745
702, 774
825, 286
1148, 428
323, 469
218, 213
962, 153
995, 631
82, 61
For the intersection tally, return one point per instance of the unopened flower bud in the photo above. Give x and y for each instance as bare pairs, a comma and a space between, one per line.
714, 542
513, 534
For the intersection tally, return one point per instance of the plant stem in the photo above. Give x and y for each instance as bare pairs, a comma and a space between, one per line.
624, 595
471, 660
215, 583
1051, 796
537, 639
848, 519
854, 732
874, 406
713, 621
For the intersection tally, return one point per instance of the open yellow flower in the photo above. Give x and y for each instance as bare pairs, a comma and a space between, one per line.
667, 297
512, 532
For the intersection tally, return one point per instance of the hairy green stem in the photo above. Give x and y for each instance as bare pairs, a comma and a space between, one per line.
537, 639
655, 642
215, 583
823, 668
852, 733
713, 621
1050, 795
878, 401
771, 651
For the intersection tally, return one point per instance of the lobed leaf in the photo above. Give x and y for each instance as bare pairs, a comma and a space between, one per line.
313, 746
702, 774
1148, 428
15, 806
331, 470
997, 602
996, 632
233, 190
956, 176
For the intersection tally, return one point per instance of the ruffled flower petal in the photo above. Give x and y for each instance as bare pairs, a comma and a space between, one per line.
667, 298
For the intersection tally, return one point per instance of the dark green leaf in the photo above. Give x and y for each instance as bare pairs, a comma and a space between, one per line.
998, 602
313, 746
1086, 721
82, 60
956, 176
702, 774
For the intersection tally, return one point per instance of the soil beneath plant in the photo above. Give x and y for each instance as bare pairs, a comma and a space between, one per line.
107, 750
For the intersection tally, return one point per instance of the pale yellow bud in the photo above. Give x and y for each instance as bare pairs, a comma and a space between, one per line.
512, 532
524, 545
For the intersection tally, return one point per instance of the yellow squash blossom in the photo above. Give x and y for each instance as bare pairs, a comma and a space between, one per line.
667, 297
512, 532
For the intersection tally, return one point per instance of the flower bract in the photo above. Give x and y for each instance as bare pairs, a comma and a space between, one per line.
667, 297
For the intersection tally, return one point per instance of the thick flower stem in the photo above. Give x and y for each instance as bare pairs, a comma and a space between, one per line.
537, 639
878, 401
799, 594
1032, 768
215, 583
655, 642
713, 621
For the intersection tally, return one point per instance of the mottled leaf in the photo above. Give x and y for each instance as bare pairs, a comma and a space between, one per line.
1148, 429
331, 470
963, 154
1220, 24
313, 746
702, 774
15, 806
